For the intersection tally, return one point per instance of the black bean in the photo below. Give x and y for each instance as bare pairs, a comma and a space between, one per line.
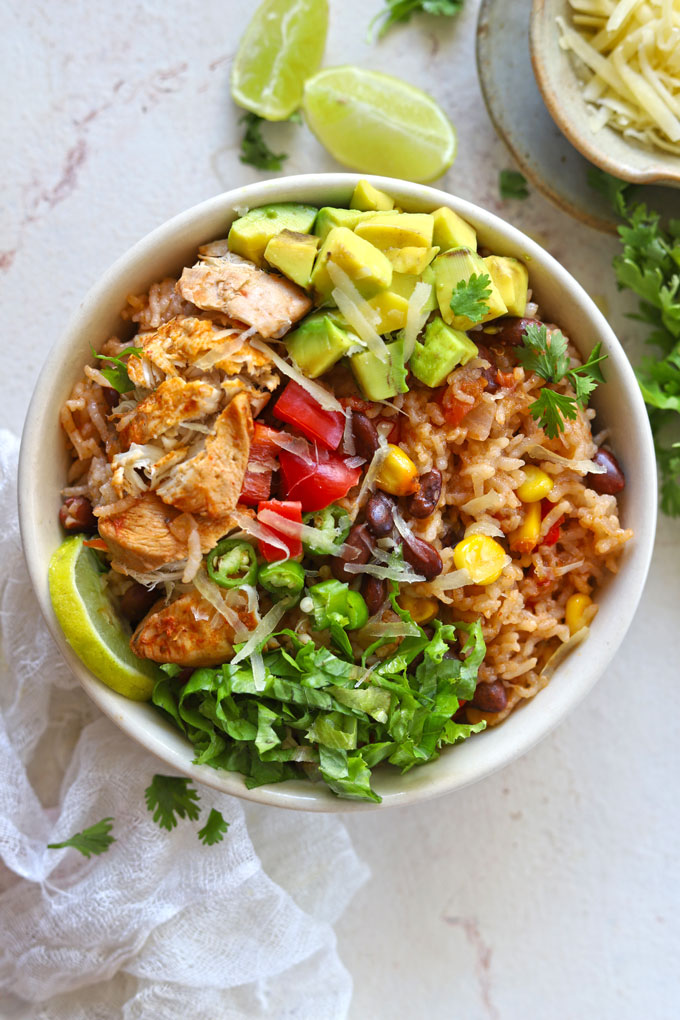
374, 590
111, 396
359, 546
76, 514
379, 514
613, 479
490, 373
365, 435
424, 502
510, 330
490, 697
136, 602
423, 557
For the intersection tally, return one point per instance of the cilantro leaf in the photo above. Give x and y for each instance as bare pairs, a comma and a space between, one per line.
168, 796
96, 839
545, 355
396, 11
550, 410
470, 298
214, 829
117, 376
512, 184
254, 149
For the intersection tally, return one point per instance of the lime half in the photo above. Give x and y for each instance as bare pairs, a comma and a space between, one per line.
378, 124
91, 625
282, 45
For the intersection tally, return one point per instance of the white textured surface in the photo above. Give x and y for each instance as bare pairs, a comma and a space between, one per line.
547, 891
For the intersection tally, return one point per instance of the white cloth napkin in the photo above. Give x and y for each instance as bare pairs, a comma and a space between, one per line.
159, 926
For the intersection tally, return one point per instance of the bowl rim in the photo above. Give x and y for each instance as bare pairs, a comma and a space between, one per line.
302, 795
659, 172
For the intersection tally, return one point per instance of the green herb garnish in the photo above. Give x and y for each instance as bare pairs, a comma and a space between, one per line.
254, 149
94, 840
117, 376
512, 184
396, 11
470, 299
214, 829
547, 356
168, 796
649, 265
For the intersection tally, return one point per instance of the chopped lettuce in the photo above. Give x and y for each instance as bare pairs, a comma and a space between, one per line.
321, 709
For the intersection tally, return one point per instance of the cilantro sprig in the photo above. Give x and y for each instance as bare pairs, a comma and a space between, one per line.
400, 11
547, 356
649, 266
117, 375
168, 796
214, 829
470, 298
96, 839
255, 150
512, 184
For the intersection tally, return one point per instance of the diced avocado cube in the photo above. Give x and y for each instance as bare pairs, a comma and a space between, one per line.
368, 198
368, 268
397, 230
454, 266
293, 254
392, 309
511, 278
404, 285
329, 217
410, 260
452, 231
317, 343
250, 234
378, 379
441, 350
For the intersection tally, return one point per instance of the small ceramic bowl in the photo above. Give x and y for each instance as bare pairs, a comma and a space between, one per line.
563, 94
164, 252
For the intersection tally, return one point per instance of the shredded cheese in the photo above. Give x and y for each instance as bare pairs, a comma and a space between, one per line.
359, 314
416, 317
629, 55
320, 394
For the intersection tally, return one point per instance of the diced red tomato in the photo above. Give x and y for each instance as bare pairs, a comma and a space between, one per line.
316, 481
298, 408
257, 483
553, 535
292, 511
454, 409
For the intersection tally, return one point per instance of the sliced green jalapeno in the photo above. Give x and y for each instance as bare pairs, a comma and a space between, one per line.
283, 577
232, 563
333, 524
334, 603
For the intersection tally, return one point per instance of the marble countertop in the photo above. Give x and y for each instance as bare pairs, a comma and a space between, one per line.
550, 889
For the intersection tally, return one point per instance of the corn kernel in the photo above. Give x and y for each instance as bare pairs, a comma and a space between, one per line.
481, 556
578, 612
535, 486
398, 475
525, 538
421, 609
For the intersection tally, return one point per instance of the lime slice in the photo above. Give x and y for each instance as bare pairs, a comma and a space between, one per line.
282, 45
378, 124
91, 625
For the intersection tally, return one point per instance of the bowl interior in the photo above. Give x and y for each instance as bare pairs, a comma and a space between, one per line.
162, 253
558, 81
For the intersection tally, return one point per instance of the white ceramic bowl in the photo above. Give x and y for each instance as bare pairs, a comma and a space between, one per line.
164, 252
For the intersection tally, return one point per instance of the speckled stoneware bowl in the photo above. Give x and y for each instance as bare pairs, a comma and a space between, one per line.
563, 94
164, 252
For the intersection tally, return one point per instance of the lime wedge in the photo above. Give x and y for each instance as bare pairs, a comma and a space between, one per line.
91, 625
378, 124
282, 45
